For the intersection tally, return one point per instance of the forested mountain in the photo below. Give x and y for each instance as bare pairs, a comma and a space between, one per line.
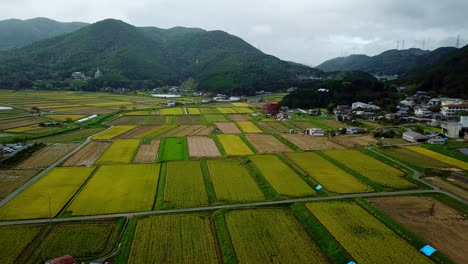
390, 62
16, 33
218, 61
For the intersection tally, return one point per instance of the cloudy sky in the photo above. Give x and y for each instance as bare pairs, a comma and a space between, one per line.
303, 31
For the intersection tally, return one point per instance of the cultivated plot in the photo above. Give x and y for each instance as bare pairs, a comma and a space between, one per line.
193, 111
355, 141
232, 182
10, 180
118, 188
66, 118
113, 132
327, 174
441, 226
306, 142
47, 156
156, 131
189, 120
365, 238
202, 147
189, 130
185, 186
121, 151
227, 110
449, 160
371, 168
76, 135
234, 146
14, 240
281, 177
248, 127
239, 117
273, 127
130, 121
175, 239
87, 155
228, 128
173, 149
266, 144
216, 118
171, 111
136, 132
209, 110
413, 157
56, 188
271, 236
147, 153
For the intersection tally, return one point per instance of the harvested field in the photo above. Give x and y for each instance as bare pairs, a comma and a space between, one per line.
137, 113
329, 123
364, 237
113, 132
189, 120
75, 135
306, 142
216, 118
121, 151
60, 184
65, 118
248, 127
14, 240
173, 149
208, 110
202, 147
185, 186
271, 236
193, 111
371, 168
355, 141
118, 189
129, 121
158, 120
446, 185
273, 127
19, 122
441, 226
228, 128
449, 160
232, 182
47, 156
327, 174
10, 180
184, 239
189, 130
227, 110
87, 155
156, 131
281, 177
136, 132
234, 146
148, 153
239, 117
266, 144
415, 158
171, 111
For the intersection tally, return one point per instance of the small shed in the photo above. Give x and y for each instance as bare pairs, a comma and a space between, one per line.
414, 137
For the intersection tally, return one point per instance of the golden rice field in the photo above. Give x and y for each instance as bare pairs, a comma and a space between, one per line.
159, 130
113, 132
271, 236
14, 240
181, 239
365, 238
171, 111
227, 110
248, 127
121, 151
59, 185
104, 104
137, 113
242, 110
443, 158
194, 111
232, 182
23, 129
117, 189
371, 168
234, 146
241, 105
64, 118
327, 174
185, 186
282, 178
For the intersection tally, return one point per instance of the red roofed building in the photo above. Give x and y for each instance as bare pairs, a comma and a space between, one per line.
67, 259
271, 109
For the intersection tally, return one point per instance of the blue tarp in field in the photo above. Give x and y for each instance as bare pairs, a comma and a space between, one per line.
427, 250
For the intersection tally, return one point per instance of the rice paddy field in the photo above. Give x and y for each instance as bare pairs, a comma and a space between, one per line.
232, 182
185, 186
234, 146
65, 118
267, 144
371, 168
171, 111
228, 128
148, 152
14, 240
273, 127
281, 177
194, 111
113, 132
216, 118
174, 239
73, 136
327, 174
56, 187
311, 143
440, 157
121, 151
248, 127
365, 238
202, 147
173, 149
413, 157
87, 155
117, 189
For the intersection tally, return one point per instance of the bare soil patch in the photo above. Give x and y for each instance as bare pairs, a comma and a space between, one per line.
202, 147
306, 142
239, 117
228, 128
87, 155
47, 156
148, 153
267, 144
441, 226
355, 141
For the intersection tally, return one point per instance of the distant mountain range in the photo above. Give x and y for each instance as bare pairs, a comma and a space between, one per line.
218, 61
391, 62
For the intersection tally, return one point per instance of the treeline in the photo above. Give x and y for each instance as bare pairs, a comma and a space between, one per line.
21, 155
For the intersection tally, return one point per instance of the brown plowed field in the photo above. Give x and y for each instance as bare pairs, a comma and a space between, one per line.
135, 132
228, 128
19, 122
47, 156
355, 141
148, 153
87, 155
239, 117
267, 144
441, 226
202, 147
187, 130
306, 142
129, 121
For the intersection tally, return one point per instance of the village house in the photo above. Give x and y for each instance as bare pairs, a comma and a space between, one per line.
414, 137
454, 110
364, 106
352, 130
315, 132
343, 111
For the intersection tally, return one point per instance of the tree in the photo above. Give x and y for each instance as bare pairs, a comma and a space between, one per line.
190, 84
35, 110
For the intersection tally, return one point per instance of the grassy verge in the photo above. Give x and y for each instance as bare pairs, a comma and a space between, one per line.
224, 238
261, 181
254, 150
159, 204
219, 145
208, 183
126, 242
